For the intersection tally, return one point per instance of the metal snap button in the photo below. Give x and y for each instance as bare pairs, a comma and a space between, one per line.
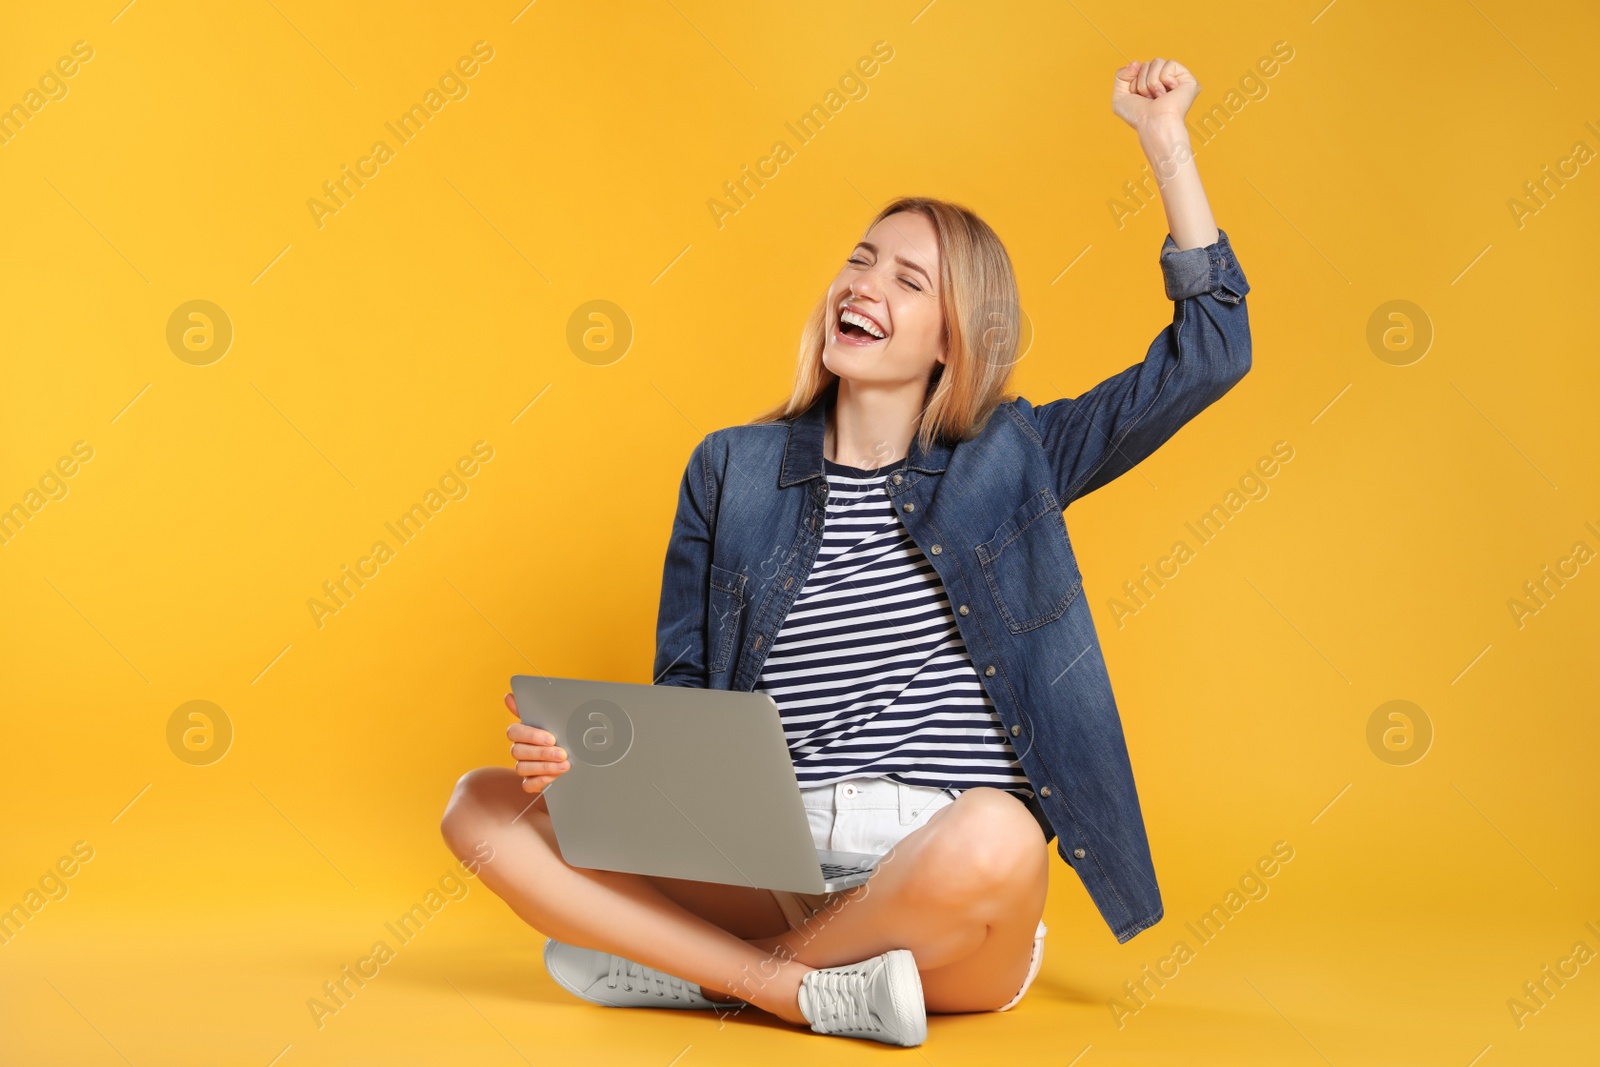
1077, 853
1045, 791
898, 479
1015, 730
989, 670
962, 609
911, 505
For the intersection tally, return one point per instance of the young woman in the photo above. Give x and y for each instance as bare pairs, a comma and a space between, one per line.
885, 555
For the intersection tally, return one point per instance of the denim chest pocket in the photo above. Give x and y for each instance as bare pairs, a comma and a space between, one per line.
1029, 565
727, 602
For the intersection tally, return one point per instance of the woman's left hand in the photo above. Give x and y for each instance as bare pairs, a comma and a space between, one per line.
1161, 88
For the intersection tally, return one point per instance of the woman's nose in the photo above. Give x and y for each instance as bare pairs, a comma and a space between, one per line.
866, 286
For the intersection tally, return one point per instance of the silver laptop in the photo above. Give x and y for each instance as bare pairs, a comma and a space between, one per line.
680, 783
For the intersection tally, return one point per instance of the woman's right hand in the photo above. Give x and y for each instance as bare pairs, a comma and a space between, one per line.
539, 760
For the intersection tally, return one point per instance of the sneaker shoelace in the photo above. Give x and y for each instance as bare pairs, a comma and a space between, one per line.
636, 977
839, 998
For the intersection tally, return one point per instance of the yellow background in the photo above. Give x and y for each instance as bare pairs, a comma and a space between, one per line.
431, 311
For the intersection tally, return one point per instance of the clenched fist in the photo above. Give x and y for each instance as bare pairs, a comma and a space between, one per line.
1161, 88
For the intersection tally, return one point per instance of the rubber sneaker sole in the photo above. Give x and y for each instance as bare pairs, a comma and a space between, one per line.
617, 982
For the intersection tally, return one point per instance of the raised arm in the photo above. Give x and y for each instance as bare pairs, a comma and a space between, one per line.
1154, 98
1098, 436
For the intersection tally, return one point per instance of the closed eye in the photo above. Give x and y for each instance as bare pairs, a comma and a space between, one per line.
905, 278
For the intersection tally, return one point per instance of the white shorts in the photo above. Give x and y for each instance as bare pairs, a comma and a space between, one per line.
872, 815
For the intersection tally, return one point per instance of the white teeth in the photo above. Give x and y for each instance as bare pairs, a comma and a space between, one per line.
863, 322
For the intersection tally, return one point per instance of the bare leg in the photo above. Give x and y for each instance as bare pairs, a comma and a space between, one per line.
745, 913
626, 914
964, 892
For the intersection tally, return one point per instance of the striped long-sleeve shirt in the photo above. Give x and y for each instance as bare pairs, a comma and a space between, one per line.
869, 670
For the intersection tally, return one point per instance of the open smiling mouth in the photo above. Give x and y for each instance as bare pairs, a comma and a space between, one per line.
858, 329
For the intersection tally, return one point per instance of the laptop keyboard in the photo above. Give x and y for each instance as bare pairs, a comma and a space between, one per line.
840, 870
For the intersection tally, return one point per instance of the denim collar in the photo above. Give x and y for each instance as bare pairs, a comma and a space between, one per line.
802, 452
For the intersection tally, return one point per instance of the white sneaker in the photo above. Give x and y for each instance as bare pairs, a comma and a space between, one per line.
611, 980
879, 999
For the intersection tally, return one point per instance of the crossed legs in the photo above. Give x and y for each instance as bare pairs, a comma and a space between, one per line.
964, 892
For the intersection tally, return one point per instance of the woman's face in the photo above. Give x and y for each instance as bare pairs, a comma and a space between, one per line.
891, 278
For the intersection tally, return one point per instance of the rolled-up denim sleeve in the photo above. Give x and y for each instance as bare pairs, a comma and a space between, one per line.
1095, 438
1209, 269
686, 578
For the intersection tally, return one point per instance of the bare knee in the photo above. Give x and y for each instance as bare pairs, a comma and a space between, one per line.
987, 839
478, 795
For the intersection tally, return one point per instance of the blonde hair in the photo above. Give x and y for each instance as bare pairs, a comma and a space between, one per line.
982, 325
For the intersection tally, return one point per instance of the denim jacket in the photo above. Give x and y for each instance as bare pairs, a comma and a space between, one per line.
987, 513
